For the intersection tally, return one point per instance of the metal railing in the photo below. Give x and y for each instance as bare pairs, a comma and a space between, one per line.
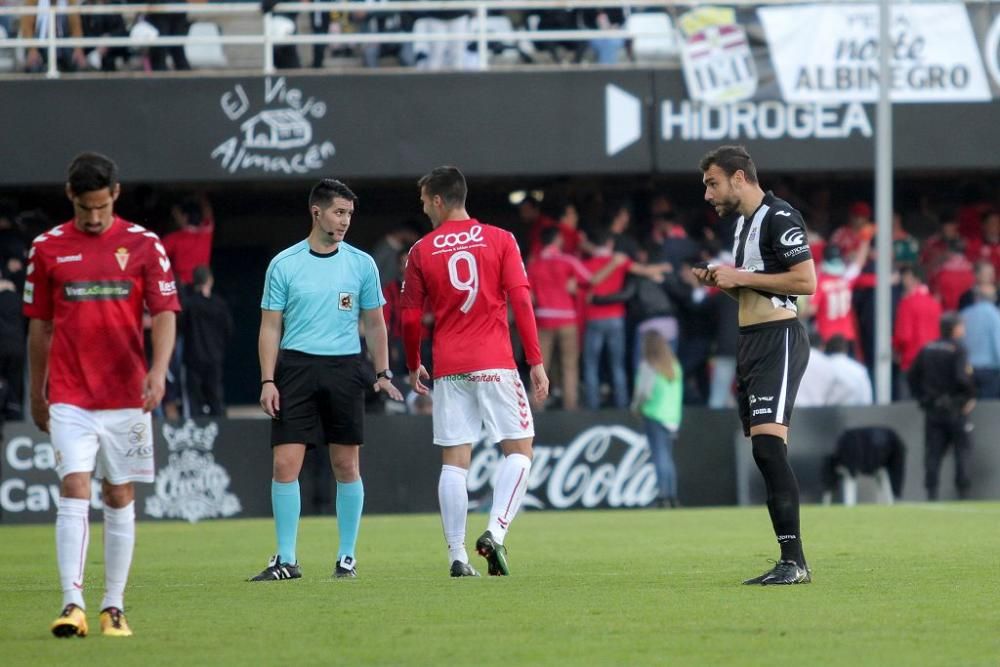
480, 9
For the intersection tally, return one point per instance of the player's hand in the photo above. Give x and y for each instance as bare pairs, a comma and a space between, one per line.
539, 382
270, 400
386, 385
153, 388
727, 277
415, 380
40, 413
706, 275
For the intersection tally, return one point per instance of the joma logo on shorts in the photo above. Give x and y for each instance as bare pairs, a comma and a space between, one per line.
762, 411
142, 451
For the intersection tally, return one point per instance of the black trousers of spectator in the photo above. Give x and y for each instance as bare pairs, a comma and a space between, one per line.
12, 379
171, 25
940, 434
319, 22
204, 384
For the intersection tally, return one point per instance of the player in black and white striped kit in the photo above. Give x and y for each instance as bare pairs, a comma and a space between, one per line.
773, 267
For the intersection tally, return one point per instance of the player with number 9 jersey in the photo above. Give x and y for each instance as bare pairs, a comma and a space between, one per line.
466, 273
464, 270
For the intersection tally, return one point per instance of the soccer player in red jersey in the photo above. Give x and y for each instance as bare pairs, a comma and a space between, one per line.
88, 282
467, 272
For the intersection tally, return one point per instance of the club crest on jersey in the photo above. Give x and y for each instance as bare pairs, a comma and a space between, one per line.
346, 301
122, 256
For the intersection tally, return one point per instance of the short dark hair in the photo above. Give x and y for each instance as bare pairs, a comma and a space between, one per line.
731, 159
548, 235
90, 172
915, 271
324, 192
191, 208
836, 344
446, 182
201, 275
599, 236
949, 322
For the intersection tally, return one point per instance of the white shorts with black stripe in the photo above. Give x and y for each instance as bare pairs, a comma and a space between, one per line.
493, 400
770, 360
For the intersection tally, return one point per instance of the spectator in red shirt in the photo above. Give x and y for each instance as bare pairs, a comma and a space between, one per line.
605, 323
191, 244
918, 318
858, 229
605, 326
831, 304
530, 212
556, 278
953, 277
936, 246
568, 224
987, 247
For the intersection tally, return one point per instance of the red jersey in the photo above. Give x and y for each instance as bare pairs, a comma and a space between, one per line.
980, 250
462, 271
832, 303
918, 322
550, 273
613, 283
189, 248
952, 279
93, 289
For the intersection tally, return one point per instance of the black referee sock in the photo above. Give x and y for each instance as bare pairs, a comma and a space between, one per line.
771, 456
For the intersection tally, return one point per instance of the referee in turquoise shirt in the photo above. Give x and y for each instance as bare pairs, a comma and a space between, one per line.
312, 379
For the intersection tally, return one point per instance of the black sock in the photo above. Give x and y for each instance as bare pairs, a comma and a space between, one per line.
770, 455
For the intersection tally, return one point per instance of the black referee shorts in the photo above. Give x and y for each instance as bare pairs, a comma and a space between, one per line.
770, 361
322, 399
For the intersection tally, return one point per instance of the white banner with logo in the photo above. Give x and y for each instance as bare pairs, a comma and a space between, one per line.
829, 53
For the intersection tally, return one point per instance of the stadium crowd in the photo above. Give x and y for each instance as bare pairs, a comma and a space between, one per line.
420, 53
604, 276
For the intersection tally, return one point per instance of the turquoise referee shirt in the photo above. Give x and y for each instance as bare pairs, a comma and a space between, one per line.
321, 297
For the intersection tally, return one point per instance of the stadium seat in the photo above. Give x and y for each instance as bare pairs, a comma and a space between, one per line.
7, 61
654, 37
205, 55
507, 50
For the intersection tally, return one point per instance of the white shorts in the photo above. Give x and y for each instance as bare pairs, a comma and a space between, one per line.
116, 445
493, 400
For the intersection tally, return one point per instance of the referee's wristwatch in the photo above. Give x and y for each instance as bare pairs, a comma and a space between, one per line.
387, 374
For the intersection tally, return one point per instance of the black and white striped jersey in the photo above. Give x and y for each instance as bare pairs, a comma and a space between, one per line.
771, 241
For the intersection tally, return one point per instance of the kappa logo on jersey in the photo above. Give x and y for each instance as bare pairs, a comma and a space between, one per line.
791, 237
474, 235
346, 301
122, 256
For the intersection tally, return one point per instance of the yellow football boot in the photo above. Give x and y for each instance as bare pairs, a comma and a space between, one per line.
114, 624
72, 622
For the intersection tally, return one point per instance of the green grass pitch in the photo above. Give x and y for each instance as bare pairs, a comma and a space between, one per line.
904, 585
